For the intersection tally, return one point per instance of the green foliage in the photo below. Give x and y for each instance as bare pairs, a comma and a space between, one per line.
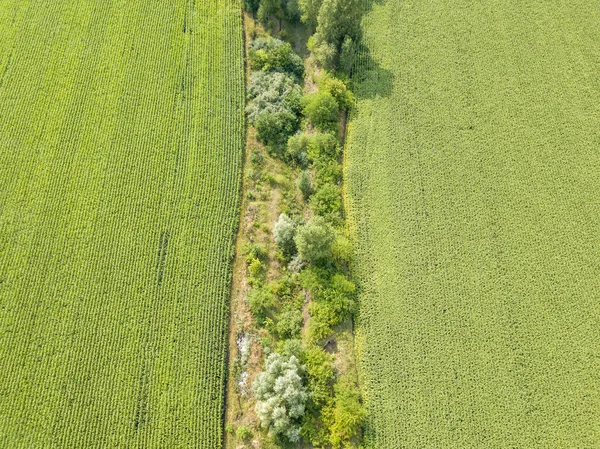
338, 90
292, 10
254, 251
305, 185
281, 396
322, 110
342, 250
320, 374
347, 416
283, 234
314, 241
310, 11
273, 55
337, 20
276, 101
243, 433
348, 54
289, 323
261, 302
323, 146
327, 201
297, 149
251, 5
268, 8
328, 171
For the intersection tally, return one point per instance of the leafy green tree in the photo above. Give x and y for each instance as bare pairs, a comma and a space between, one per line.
268, 8
338, 19
274, 55
276, 101
310, 11
338, 90
297, 147
314, 241
305, 185
283, 234
322, 110
281, 396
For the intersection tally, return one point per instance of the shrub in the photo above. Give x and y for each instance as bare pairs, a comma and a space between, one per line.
320, 374
254, 251
273, 129
314, 241
243, 433
256, 271
289, 324
338, 90
274, 55
305, 185
322, 110
342, 250
347, 416
327, 200
328, 172
260, 302
297, 149
283, 234
281, 396
322, 146
268, 8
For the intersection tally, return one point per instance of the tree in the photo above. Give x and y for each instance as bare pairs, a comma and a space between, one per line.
338, 19
310, 11
268, 8
274, 55
338, 90
326, 201
305, 185
297, 149
275, 104
283, 234
281, 396
322, 110
314, 240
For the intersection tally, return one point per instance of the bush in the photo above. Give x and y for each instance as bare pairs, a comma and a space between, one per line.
322, 146
314, 241
256, 272
297, 149
305, 185
274, 55
273, 129
268, 8
283, 234
347, 416
322, 110
281, 396
254, 251
320, 375
338, 90
327, 200
243, 433
289, 324
328, 172
260, 302
342, 250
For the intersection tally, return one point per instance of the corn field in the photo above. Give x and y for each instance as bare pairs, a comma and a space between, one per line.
121, 134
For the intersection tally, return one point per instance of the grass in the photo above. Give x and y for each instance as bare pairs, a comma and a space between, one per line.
121, 138
472, 180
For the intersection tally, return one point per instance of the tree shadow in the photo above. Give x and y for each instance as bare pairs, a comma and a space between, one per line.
369, 79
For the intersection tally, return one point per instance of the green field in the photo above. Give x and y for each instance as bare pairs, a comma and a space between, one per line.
473, 174
121, 135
